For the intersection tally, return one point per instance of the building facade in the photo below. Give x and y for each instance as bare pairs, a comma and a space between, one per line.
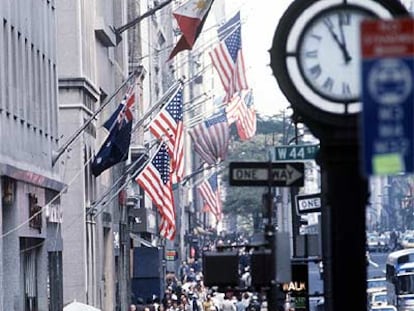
30, 211
92, 64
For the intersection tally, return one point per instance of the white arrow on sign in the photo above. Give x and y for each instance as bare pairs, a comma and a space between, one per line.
288, 174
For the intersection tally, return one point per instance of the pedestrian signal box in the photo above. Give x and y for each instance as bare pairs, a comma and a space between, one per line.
221, 269
261, 262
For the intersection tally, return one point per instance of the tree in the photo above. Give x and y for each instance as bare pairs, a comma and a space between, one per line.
245, 202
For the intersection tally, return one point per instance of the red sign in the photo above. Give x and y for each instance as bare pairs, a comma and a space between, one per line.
387, 38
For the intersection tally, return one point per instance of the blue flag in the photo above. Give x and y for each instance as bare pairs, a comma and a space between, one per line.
116, 146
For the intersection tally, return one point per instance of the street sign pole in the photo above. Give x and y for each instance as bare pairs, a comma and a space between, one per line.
270, 235
268, 174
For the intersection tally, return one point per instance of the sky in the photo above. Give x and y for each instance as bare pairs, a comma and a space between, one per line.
259, 22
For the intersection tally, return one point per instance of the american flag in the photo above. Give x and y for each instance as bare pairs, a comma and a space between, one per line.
210, 192
246, 122
211, 138
233, 109
155, 179
227, 58
168, 125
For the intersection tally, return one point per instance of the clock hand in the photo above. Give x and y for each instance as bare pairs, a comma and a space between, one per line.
344, 49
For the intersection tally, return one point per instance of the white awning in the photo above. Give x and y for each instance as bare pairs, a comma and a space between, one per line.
140, 240
79, 306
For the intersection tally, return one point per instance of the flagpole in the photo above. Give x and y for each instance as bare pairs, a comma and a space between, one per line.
57, 154
130, 168
116, 182
198, 171
136, 20
126, 183
165, 98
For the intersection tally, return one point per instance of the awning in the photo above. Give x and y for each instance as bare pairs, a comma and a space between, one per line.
79, 306
140, 240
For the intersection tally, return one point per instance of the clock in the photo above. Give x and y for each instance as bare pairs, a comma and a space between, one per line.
316, 57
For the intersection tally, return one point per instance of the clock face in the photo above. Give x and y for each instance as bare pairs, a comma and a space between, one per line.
316, 56
329, 54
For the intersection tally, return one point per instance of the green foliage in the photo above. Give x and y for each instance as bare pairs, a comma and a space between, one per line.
245, 201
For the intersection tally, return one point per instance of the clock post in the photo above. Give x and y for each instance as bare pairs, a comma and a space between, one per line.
315, 57
344, 198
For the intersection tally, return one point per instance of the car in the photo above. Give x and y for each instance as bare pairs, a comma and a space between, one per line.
409, 243
377, 284
373, 243
404, 240
378, 299
383, 242
383, 308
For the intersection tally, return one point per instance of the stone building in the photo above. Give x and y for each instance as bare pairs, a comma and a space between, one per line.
30, 211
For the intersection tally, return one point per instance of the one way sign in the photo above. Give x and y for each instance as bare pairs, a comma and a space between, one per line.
267, 174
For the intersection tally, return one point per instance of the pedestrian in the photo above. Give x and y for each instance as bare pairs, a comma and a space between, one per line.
208, 303
240, 306
228, 304
132, 307
254, 304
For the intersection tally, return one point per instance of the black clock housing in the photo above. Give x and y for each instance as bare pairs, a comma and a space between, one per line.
322, 93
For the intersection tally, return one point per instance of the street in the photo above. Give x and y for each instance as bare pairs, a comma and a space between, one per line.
375, 269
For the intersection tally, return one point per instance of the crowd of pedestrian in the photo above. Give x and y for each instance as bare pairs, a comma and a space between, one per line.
186, 292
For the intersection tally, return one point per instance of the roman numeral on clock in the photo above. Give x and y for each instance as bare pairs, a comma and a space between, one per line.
311, 54
346, 90
328, 84
315, 71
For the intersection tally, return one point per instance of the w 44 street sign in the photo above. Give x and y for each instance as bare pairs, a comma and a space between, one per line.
266, 174
292, 153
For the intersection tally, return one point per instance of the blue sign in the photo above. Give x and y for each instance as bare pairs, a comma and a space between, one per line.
388, 97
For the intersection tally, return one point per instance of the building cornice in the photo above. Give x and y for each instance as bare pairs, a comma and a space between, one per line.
80, 83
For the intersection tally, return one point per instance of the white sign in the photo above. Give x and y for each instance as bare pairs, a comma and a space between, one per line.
288, 175
310, 229
309, 203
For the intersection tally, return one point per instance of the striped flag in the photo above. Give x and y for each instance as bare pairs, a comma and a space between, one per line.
168, 125
210, 192
233, 109
211, 138
227, 58
155, 179
246, 122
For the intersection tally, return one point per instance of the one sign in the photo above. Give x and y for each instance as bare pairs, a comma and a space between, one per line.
387, 95
308, 203
292, 153
266, 174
